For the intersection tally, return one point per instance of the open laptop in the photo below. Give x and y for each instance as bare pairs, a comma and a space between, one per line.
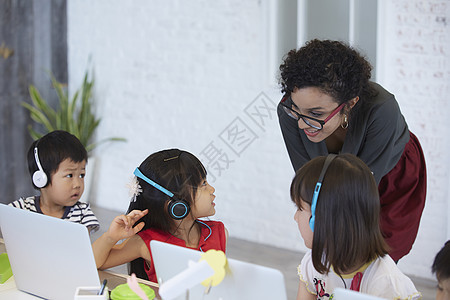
49, 257
343, 294
242, 280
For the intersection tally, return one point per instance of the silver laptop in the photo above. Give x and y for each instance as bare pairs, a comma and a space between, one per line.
343, 294
242, 280
49, 257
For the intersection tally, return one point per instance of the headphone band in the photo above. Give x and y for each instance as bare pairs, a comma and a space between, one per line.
139, 174
317, 188
36, 158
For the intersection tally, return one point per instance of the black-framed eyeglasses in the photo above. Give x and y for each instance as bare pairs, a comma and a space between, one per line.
287, 105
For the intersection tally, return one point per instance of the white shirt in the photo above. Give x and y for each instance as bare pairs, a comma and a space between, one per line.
382, 278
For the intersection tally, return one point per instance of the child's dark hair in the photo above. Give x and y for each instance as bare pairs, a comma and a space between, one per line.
178, 171
346, 230
441, 264
53, 148
332, 66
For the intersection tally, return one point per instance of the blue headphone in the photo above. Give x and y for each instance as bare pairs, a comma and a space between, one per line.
178, 208
326, 164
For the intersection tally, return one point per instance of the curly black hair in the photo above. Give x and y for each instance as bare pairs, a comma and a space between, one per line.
332, 66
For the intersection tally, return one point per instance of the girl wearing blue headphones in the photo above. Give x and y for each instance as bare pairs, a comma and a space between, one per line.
169, 194
338, 217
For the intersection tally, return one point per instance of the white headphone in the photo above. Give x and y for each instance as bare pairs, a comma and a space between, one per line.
39, 177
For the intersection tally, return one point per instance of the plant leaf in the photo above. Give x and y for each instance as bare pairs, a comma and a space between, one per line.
112, 139
38, 116
62, 117
71, 115
34, 134
42, 105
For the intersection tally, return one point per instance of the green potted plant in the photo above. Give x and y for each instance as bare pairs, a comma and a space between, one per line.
71, 115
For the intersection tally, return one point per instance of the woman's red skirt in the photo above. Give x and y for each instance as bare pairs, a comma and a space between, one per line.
402, 195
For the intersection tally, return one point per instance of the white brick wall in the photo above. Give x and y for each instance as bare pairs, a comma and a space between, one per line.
181, 74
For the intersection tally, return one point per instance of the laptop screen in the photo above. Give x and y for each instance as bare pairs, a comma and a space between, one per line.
242, 280
49, 257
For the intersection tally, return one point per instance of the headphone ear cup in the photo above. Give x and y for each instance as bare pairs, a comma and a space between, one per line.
178, 209
40, 179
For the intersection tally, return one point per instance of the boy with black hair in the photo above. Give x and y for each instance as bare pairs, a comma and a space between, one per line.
441, 267
57, 166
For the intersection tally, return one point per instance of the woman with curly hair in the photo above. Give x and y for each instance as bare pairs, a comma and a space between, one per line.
331, 106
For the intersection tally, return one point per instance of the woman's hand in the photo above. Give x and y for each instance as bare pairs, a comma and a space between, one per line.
122, 226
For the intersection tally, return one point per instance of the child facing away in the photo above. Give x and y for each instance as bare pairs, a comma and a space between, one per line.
170, 193
441, 267
338, 217
57, 165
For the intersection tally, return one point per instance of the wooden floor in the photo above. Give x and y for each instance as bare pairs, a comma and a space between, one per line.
284, 260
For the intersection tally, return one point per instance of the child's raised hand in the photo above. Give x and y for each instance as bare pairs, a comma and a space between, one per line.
122, 226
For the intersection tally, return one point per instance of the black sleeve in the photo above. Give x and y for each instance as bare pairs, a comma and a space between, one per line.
385, 138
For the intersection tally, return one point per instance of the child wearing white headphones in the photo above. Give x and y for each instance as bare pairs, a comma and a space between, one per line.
338, 217
57, 166
169, 193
